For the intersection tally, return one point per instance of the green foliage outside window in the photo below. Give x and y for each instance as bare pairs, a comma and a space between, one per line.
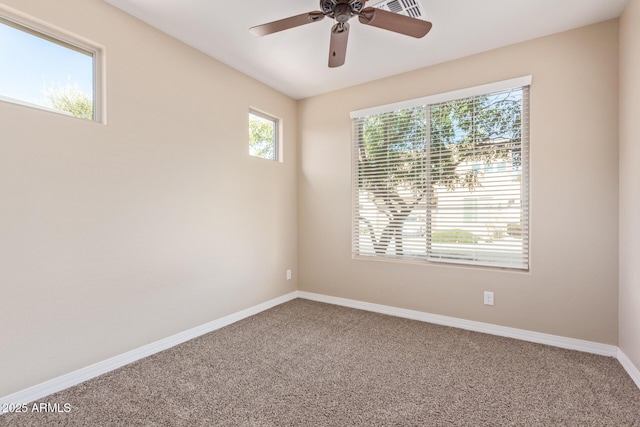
262, 137
71, 99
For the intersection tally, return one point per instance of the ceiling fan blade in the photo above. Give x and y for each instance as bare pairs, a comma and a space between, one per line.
338, 45
395, 22
286, 23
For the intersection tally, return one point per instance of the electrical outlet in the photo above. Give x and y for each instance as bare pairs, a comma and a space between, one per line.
288, 274
488, 298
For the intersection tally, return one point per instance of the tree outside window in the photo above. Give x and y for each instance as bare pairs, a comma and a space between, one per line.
263, 136
418, 168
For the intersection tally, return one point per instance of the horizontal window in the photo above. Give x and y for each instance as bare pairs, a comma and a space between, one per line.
444, 181
41, 70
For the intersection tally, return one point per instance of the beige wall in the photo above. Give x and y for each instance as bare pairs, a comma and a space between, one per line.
112, 237
115, 236
630, 182
571, 289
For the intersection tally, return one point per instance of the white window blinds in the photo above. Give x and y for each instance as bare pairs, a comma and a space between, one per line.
445, 181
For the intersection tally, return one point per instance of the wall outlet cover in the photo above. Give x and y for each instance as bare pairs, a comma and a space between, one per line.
488, 298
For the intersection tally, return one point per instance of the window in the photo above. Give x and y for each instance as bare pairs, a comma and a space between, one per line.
45, 71
263, 136
445, 178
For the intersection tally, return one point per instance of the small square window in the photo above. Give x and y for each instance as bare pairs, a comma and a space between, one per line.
41, 70
263, 136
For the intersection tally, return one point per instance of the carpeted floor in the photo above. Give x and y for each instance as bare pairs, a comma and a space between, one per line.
305, 363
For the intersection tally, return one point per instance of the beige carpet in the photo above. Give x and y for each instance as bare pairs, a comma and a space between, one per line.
305, 363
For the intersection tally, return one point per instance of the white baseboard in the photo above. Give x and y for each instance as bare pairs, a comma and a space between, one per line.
487, 328
71, 379
631, 369
76, 377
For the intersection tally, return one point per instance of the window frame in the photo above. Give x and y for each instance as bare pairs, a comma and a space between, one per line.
68, 40
277, 154
523, 83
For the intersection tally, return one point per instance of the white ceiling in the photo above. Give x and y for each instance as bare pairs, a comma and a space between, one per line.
295, 61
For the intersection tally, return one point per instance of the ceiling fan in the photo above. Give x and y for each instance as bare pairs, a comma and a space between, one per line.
342, 11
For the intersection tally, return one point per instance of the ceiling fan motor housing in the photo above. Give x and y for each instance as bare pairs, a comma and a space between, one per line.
341, 10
